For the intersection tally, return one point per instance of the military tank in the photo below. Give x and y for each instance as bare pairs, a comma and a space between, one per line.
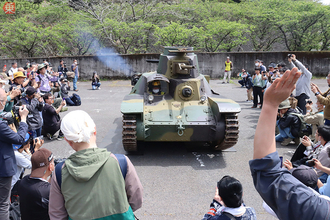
176, 104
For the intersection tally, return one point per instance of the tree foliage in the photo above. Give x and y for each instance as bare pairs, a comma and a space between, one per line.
82, 27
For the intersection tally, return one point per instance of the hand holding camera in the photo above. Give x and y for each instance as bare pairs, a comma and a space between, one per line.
306, 141
23, 112
38, 142
317, 164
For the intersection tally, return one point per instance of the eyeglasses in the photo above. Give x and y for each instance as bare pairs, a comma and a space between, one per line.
50, 98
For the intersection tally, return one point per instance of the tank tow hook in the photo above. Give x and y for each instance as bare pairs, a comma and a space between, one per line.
180, 127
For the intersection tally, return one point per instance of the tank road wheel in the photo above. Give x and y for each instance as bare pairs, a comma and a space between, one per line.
129, 133
231, 132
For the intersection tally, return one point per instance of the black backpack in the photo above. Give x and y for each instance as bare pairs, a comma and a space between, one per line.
76, 99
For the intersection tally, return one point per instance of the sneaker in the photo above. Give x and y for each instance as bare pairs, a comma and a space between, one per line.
76, 90
99, 88
50, 137
286, 142
254, 107
64, 109
223, 82
60, 138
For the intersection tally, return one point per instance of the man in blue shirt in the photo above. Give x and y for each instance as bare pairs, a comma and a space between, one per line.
75, 69
8, 162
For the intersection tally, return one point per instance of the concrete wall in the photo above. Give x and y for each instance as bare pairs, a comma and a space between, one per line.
209, 63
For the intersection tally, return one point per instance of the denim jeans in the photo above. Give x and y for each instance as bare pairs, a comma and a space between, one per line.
284, 133
96, 85
69, 101
5, 186
75, 79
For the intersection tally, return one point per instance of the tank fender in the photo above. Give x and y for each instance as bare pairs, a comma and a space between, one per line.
132, 104
222, 105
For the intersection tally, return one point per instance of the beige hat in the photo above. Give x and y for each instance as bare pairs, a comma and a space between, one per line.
284, 104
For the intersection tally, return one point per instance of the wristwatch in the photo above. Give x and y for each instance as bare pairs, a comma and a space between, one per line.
317, 93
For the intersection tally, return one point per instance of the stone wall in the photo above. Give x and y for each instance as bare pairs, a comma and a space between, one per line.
123, 66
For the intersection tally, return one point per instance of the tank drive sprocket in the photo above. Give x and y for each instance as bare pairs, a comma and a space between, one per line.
231, 132
129, 133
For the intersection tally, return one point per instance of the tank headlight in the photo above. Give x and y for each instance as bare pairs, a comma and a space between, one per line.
203, 98
186, 92
151, 98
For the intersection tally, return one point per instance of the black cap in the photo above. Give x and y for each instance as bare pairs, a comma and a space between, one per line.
30, 90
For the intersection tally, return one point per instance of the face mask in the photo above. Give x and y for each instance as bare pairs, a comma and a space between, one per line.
155, 90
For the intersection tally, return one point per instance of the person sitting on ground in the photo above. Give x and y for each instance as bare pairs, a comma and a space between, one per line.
65, 92
279, 189
51, 117
228, 202
314, 118
92, 175
34, 189
95, 81
23, 159
288, 124
243, 75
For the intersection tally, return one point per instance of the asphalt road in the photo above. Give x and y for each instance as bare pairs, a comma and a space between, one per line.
178, 183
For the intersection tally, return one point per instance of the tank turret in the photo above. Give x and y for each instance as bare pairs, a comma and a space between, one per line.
176, 104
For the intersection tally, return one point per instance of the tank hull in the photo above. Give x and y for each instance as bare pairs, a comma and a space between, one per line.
185, 109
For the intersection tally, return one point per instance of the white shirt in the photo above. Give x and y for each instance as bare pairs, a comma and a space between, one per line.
23, 160
12, 71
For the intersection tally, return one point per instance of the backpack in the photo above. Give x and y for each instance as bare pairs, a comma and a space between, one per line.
76, 99
305, 129
121, 160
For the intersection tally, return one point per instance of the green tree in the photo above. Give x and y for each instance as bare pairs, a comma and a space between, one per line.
224, 35
175, 34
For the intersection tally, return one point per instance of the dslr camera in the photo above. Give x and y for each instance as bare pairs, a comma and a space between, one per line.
310, 163
289, 55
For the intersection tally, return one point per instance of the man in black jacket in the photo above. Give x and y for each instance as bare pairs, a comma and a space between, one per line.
288, 124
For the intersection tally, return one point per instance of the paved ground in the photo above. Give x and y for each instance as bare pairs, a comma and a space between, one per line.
178, 183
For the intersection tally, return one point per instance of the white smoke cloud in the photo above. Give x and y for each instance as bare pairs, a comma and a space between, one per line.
112, 60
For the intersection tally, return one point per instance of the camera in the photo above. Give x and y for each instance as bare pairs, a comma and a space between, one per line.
309, 101
39, 138
310, 163
289, 55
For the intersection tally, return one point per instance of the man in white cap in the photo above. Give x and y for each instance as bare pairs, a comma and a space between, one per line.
34, 189
91, 184
228, 68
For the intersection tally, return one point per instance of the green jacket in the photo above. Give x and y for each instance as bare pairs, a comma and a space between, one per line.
93, 187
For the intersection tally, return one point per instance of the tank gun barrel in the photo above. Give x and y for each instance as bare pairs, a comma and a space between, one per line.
183, 66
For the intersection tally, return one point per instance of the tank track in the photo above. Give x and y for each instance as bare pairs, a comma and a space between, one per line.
129, 133
232, 130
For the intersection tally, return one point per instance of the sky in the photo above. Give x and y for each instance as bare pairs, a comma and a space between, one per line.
326, 2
